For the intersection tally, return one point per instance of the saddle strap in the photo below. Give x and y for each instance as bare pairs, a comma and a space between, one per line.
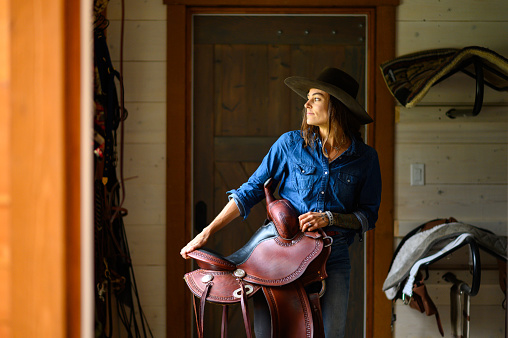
196, 314
421, 301
224, 327
317, 315
245, 311
290, 311
202, 303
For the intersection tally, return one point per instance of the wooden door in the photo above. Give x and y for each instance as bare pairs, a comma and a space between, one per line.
241, 106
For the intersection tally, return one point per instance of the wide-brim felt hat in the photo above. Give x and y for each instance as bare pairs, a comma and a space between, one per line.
335, 82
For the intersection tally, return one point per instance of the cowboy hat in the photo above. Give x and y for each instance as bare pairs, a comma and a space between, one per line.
335, 82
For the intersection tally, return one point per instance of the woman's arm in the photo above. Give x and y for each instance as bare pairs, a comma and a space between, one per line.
311, 221
229, 213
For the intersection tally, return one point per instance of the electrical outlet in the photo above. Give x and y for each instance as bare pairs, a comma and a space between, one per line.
417, 174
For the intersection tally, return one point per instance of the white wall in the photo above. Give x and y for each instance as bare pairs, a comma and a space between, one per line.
144, 72
466, 159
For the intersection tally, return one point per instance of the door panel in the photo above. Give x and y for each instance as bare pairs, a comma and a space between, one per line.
241, 106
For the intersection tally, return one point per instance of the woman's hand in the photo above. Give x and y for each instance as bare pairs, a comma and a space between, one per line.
198, 242
312, 221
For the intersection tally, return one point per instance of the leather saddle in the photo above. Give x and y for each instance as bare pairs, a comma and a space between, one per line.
278, 259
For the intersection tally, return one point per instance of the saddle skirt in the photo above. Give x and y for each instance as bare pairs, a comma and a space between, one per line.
267, 262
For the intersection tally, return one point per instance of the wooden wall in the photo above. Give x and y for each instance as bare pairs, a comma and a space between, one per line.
145, 146
465, 159
466, 173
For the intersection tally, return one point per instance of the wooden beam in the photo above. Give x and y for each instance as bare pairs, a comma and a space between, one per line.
178, 174
285, 3
384, 126
38, 148
72, 150
5, 169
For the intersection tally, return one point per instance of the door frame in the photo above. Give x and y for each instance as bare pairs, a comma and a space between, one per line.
381, 47
42, 69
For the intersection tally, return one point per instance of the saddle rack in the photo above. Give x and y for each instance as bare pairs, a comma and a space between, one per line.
404, 280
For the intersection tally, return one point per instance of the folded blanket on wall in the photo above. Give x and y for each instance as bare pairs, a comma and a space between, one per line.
409, 77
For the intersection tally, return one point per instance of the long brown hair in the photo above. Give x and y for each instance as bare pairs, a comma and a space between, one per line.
338, 116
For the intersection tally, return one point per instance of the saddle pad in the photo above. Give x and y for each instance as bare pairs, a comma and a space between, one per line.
225, 288
409, 77
277, 262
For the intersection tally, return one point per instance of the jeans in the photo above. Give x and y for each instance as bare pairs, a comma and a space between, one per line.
334, 302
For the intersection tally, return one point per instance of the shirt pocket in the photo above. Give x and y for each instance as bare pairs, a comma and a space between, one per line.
305, 176
345, 188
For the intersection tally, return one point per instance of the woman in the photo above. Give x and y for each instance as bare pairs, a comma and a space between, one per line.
327, 172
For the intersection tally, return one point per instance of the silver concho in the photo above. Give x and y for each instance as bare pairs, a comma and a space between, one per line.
239, 273
238, 292
206, 278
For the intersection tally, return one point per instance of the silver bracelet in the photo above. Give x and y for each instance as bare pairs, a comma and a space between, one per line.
330, 217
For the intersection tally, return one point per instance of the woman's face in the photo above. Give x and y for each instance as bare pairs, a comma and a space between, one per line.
317, 108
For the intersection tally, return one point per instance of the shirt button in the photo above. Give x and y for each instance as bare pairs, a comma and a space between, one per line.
348, 181
326, 172
322, 192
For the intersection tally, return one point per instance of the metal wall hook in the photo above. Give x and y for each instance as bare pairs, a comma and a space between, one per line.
478, 101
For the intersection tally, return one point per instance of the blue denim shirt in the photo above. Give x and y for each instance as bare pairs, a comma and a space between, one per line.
349, 184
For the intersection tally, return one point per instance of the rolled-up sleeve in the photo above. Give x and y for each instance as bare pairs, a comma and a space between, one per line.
370, 195
252, 192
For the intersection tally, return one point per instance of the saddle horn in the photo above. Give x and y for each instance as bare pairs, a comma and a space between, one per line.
281, 213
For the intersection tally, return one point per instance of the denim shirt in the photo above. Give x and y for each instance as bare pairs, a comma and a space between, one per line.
350, 184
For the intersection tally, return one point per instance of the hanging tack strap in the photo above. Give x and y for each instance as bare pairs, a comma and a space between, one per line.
224, 328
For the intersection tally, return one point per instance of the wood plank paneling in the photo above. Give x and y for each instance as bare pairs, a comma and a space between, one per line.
242, 149
464, 133
145, 164
425, 114
497, 226
421, 326
279, 58
144, 54
144, 40
284, 29
464, 163
146, 249
146, 123
145, 81
415, 36
452, 10
460, 201
146, 203
137, 10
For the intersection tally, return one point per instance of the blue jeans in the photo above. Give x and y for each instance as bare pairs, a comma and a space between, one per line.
334, 302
